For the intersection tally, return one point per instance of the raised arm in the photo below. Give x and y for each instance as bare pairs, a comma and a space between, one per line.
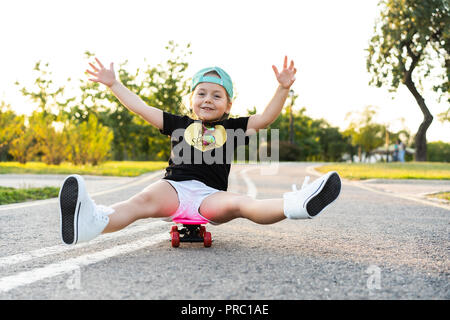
285, 79
129, 99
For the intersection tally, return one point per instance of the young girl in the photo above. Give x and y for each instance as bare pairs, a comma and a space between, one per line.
193, 188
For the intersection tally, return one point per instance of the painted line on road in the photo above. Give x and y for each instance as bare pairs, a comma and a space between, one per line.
43, 252
401, 196
251, 187
55, 200
311, 170
52, 270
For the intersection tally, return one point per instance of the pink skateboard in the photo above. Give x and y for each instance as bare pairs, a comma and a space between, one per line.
192, 231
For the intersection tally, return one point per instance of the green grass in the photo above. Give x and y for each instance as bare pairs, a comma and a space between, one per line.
406, 170
110, 168
441, 195
355, 171
12, 195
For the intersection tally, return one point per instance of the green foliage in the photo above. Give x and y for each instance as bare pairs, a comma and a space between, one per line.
11, 195
11, 128
108, 168
48, 97
411, 43
444, 116
289, 152
162, 87
364, 132
46, 140
333, 143
390, 170
40, 137
93, 125
314, 140
88, 142
438, 151
410, 34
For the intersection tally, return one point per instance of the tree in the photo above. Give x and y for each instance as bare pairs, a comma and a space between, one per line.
41, 137
11, 127
88, 142
332, 143
365, 133
305, 139
49, 98
161, 87
412, 35
47, 141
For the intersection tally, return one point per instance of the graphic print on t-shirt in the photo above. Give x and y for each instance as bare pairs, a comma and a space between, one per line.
195, 136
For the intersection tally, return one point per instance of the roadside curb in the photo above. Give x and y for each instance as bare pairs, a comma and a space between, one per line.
311, 170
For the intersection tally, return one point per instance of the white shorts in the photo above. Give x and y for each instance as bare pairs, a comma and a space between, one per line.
191, 193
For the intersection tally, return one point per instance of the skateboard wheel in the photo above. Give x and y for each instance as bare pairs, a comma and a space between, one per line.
174, 229
207, 239
202, 231
175, 239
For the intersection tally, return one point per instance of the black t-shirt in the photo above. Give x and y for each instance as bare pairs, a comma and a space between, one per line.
203, 151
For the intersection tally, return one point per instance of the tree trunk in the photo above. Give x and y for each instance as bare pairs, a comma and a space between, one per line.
421, 135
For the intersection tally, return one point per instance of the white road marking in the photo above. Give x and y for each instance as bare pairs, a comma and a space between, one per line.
251, 188
55, 200
398, 195
311, 170
55, 269
43, 252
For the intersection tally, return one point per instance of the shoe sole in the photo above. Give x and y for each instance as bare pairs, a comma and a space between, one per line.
68, 203
327, 195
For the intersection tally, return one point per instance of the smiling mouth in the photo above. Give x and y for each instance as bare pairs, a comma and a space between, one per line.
207, 109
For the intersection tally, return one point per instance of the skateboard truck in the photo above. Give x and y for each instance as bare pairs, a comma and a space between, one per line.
191, 233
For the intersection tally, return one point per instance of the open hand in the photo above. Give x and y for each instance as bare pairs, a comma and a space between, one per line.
287, 76
101, 74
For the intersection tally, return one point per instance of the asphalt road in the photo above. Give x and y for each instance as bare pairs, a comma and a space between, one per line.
367, 245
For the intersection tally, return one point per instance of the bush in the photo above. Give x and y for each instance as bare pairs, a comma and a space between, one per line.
287, 151
438, 151
88, 142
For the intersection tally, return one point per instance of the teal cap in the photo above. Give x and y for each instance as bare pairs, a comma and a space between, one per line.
224, 80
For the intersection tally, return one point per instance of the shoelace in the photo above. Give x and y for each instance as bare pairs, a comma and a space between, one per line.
101, 212
305, 183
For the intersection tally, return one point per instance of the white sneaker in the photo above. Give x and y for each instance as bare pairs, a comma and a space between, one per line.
312, 198
81, 219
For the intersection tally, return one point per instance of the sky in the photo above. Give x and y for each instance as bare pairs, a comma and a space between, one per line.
326, 39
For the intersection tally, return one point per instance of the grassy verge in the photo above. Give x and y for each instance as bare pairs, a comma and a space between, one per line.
110, 168
12, 195
441, 195
406, 170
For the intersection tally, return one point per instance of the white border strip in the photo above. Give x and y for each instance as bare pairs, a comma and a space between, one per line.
52, 270
43, 252
54, 200
311, 170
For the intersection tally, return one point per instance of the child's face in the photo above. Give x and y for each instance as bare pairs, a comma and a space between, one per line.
210, 101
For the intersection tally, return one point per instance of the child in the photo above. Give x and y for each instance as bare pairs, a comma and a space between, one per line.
193, 189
